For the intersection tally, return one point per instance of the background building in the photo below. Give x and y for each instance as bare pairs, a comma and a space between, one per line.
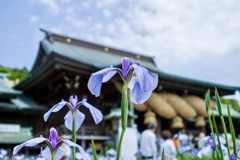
63, 66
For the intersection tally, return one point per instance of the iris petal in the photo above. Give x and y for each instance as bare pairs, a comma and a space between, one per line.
147, 80
232, 157
206, 151
125, 66
46, 153
30, 143
96, 114
60, 152
53, 138
222, 140
224, 149
137, 96
70, 143
55, 108
69, 119
73, 101
97, 78
132, 83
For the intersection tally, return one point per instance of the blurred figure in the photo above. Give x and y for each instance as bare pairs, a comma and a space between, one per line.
176, 140
200, 143
191, 139
168, 146
148, 146
184, 142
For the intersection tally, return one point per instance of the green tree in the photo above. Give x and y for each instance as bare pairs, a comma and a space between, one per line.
15, 74
232, 102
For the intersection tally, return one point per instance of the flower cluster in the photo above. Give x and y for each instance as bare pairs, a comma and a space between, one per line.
137, 79
211, 144
73, 106
53, 149
216, 145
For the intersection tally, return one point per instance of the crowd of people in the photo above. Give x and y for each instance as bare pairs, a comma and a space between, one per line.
167, 145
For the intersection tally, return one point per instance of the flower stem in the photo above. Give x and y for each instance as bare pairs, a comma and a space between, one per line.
225, 133
207, 102
216, 130
219, 105
124, 116
53, 155
120, 144
74, 137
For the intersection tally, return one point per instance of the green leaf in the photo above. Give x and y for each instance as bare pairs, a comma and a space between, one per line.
93, 149
163, 155
189, 157
219, 105
207, 100
232, 131
216, 131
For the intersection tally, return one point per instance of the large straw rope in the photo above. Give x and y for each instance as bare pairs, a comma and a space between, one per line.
213, 104
200, 122
197, 103
180, 105
160, 106
139, 107
118, 85
177, 122
149, 117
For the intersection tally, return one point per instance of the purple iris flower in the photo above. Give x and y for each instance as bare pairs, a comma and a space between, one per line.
210, 145
232, 157
140, 81
53, 145
73, 106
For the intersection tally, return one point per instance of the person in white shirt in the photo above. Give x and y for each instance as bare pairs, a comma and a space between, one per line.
168, 146
148, 146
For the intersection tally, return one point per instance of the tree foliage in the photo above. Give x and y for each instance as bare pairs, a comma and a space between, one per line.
232, 102
15, 74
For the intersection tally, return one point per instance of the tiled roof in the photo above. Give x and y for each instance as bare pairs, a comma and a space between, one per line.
15, 99
56, 49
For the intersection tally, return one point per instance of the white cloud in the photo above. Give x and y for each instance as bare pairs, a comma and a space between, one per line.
75, 22
70, 10
107, 13
65, 1
188, 28
105, 3
52, 4
33, 18
184, 36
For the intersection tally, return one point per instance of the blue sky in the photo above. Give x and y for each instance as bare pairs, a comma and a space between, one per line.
195, 39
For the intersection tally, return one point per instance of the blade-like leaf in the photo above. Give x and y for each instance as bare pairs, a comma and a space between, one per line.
217, 134
93, 149
219, 105
207, 100
163, 155
232, 130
